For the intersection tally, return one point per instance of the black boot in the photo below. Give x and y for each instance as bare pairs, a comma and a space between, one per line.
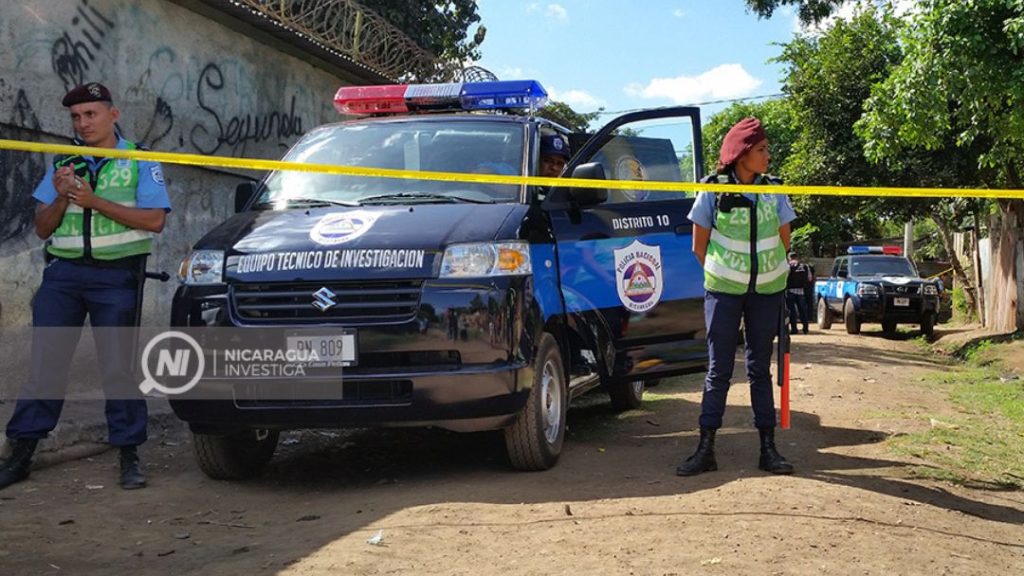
771, 460
17, 467
703, 460
131, 472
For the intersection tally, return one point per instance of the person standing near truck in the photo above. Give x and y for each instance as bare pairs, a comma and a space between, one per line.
100, 215
798, 284
741, 240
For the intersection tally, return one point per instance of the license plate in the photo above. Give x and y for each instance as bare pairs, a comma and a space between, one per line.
327, 349
901, 301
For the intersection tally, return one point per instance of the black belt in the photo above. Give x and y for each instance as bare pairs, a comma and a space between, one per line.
126, 263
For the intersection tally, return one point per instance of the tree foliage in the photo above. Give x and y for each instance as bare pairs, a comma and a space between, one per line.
809, 11
440, 27
563, 114
962, 81
775, 115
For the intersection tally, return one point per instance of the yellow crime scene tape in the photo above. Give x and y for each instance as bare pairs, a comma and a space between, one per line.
947, 270
655, 185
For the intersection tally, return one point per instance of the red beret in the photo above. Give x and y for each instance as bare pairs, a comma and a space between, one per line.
740, 138
91, 92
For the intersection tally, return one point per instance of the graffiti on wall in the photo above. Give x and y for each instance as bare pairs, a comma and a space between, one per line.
189, 94
20, 172
237, 131
75, 50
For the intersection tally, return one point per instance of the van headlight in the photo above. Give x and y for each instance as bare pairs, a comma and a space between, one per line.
202, 267
485, 259
931, 290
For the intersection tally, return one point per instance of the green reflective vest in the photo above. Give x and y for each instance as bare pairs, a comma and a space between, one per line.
89, 233
745, 252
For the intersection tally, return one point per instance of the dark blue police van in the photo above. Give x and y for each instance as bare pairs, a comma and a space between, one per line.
467, 306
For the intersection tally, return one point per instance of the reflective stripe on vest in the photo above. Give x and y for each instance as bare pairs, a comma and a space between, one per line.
117, 181
728, 266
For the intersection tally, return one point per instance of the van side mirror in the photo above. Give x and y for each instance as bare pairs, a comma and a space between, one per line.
244, 192
585, 197
841, 274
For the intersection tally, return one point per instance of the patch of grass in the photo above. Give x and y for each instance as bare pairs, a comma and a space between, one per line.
985, 441
922, 342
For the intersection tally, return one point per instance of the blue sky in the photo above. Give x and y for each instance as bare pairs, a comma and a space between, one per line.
640, 54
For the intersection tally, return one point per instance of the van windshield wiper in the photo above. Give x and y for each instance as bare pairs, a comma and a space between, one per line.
304, 202
407, 197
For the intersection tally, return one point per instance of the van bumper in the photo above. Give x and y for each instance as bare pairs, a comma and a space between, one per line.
462, 361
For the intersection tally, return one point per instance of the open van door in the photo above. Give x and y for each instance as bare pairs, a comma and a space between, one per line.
629, 278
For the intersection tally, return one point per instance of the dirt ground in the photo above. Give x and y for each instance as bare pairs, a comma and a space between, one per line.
445, 503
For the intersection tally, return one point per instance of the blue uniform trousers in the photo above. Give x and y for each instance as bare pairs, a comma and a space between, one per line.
797, 304
68, 293
722, 314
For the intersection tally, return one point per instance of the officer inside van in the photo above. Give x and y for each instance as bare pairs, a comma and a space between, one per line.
554, 155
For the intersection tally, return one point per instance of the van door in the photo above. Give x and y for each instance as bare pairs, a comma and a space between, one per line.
632, 287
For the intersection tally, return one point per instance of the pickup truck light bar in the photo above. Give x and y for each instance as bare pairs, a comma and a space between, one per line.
891, 250
467, 96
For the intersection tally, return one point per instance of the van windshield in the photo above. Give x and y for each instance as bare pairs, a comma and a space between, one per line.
451, 146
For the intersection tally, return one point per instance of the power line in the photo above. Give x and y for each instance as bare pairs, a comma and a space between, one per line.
707, 103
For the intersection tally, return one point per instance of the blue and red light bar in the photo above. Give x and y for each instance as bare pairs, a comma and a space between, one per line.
891, 250
404, 98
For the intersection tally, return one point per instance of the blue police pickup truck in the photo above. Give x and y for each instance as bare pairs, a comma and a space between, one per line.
876, 284
464, 305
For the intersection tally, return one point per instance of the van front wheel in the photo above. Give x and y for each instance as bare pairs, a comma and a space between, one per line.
626, 394
534, 441
236, 456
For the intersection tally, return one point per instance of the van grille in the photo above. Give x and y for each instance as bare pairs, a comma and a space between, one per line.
385, 301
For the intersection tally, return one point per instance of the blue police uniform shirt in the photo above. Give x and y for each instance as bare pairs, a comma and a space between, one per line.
151, 192
703, 211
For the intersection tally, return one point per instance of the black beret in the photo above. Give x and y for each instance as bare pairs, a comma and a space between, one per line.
554, 145
91, 92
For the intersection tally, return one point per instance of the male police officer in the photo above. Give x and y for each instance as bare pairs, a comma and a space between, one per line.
100, 215
798, 283
741, 241
554, 155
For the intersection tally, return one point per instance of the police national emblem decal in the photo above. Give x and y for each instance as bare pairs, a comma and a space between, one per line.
639, 278
340, 227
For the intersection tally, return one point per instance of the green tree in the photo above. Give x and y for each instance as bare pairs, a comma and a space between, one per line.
809, 11
439, 27
562, 113
962, 82
827, 80
775, 115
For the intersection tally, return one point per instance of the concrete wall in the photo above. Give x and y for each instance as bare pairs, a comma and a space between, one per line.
184, 83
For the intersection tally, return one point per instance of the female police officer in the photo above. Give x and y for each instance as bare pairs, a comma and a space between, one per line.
741, 241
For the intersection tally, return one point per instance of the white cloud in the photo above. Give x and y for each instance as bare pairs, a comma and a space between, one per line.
557, 12
553, 11
579, 100
725, 81
510, 73
679, 13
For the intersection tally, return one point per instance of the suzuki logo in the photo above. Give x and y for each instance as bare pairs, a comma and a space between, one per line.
323, 299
